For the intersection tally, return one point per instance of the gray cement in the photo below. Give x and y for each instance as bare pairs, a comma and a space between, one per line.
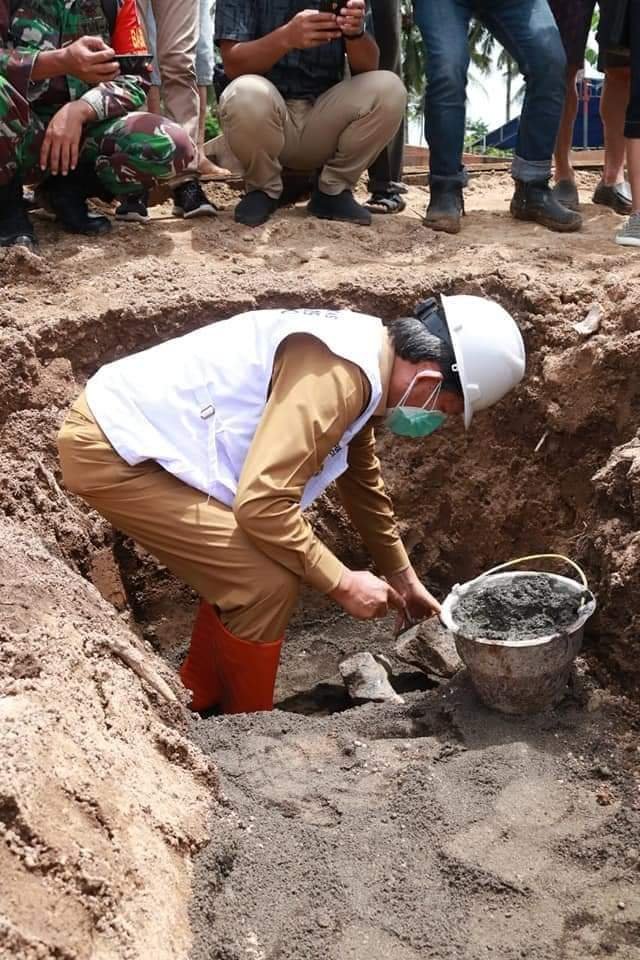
520, 609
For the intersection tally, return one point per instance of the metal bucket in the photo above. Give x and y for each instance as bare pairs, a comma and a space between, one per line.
520, 676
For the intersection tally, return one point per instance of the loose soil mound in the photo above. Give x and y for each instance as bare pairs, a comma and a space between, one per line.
520, 609
102, 798
425, 829
437, 829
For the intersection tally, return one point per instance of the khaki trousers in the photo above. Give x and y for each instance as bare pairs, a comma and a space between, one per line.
178, 24
197, 538
341, 133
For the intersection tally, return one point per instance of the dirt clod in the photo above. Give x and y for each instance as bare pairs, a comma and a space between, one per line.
431, 648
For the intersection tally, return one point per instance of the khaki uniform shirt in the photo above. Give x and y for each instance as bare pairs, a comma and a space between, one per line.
314, 397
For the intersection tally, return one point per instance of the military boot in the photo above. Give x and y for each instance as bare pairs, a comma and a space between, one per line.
66, 197
446, 206
16, 230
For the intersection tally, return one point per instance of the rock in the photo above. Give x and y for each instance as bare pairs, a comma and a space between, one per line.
605, 796
431, 648
384, 661
591, 323
602, 772
367, 680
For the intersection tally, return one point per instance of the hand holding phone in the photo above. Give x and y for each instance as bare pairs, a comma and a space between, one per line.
312, 28
352, 24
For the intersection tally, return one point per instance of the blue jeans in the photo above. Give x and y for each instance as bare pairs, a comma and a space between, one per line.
528, 31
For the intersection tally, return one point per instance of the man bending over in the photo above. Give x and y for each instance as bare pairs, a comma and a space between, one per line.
208, 448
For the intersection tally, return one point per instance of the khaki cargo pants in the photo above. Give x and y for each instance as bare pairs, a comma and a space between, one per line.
341, 133
177, 29
197, 538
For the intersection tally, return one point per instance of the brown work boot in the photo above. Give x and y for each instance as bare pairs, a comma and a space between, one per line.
535, 201
446, 206
566, 193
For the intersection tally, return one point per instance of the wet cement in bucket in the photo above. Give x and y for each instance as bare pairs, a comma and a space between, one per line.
521, 608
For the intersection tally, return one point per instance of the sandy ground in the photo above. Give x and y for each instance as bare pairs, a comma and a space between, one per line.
430, 829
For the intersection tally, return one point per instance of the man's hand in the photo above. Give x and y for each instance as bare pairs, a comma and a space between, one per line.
366, 596
91, 60
419, 603
351, 18
61, 144
309, 28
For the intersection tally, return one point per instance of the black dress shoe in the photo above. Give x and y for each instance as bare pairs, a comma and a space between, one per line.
255, 208
566, 193
536, 201
617, 197
16, 230
342, 206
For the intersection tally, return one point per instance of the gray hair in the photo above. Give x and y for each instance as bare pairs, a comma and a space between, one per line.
414, 343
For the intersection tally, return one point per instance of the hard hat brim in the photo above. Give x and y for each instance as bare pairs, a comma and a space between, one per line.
455, 341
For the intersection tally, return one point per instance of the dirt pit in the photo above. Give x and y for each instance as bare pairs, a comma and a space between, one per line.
430, 828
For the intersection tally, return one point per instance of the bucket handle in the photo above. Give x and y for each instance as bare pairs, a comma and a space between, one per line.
536, 556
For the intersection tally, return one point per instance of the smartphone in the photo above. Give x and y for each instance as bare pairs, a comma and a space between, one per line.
136, 64
329, 6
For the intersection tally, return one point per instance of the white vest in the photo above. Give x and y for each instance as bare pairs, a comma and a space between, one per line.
193, 404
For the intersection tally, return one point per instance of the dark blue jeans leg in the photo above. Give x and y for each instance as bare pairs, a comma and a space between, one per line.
444, 25
528, 31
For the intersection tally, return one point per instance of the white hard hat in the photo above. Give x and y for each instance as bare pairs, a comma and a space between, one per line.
490, 354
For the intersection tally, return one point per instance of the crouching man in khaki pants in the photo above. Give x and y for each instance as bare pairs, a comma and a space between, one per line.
206, 449
290, 105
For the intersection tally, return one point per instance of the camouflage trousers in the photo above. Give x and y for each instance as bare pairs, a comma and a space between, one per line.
132, 152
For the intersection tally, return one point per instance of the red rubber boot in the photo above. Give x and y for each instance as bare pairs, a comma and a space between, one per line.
247, 672
199, 672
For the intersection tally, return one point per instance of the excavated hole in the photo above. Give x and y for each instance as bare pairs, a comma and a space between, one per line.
464, 502
326, 832
511, 487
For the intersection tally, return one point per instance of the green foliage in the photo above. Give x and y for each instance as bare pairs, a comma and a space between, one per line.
591, 55
413, 58
474, 132
211, 125
482, 45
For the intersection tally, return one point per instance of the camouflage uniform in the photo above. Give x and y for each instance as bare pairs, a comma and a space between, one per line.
129, 150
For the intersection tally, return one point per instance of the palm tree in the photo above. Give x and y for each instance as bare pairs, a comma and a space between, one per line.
510, 71
413, 59
482, 45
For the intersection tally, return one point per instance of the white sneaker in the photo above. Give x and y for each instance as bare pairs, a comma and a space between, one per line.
629, 234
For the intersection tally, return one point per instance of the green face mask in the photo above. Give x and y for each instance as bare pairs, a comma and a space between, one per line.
415, 422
